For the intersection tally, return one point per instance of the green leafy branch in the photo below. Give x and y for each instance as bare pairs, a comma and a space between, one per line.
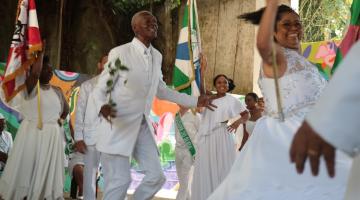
325, 19
114, 78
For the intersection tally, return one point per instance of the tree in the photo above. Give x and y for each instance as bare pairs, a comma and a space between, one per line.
324, 19
128, 6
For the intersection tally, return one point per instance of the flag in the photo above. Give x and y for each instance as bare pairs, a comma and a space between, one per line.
25, 42
2, 70
13, 118
352, 35
186, 74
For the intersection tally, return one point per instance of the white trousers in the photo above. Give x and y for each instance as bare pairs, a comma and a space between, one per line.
116, 169
184, 169
91, 164
353, 192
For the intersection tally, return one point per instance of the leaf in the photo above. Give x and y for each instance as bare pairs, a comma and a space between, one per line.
123, 68
117, 62
112, 72
110, 83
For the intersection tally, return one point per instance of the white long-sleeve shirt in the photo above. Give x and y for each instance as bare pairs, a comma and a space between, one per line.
336, 115
86, 116
6, 143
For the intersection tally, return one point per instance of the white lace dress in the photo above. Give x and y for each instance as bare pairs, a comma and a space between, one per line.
262, 170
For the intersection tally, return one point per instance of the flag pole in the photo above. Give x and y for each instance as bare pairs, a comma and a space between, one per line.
277, 89
60, 34
40, 123
199, 37
190, 43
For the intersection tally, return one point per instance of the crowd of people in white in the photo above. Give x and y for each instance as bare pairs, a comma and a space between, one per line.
209, 164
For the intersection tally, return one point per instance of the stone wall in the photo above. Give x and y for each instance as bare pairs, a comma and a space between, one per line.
227, 41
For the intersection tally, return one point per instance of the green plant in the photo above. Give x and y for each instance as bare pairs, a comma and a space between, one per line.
128, 6
114, 68
325, 19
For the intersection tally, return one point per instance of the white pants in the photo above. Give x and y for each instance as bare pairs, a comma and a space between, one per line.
184, 169
117, 169
91, 161
353, 192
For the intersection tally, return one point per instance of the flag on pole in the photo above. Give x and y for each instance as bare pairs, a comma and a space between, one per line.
352, 35
186, 75
25, 42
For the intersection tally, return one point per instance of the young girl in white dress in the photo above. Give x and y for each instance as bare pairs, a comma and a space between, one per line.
35, 167
251, 100
262, 169
216, 151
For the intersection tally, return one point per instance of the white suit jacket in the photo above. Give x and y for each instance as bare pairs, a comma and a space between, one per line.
86, 117
336, 117
134, 98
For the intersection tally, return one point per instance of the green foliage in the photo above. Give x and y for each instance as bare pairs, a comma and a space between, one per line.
114, 77
324, 19
119, 66
167, 152
128, 6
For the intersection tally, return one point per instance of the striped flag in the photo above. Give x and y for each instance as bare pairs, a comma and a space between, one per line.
352, 35
2, 70
186, 75
25, 43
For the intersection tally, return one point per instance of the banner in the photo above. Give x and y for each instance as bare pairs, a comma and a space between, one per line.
25, 42
186, 75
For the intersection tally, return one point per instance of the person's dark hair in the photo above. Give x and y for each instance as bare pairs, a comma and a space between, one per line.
253, 95
46, 60
255, 17
231, 84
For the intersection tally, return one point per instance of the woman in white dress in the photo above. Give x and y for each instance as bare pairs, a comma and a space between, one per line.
35, 167
251, 100
262, 169
215, 152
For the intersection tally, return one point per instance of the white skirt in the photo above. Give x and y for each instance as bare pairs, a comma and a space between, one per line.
213, 160
262, 170
35, 167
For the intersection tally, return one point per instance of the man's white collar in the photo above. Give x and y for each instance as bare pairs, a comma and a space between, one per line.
141, 47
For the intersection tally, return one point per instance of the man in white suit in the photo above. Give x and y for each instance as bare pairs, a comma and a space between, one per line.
132, 133
334, 123
85, 130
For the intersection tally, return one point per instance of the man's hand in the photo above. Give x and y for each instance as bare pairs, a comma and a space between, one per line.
307, 143
205, 101
80, 146
108, 111
3, 157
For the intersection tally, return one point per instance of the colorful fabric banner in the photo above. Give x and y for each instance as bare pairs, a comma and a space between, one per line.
322, 54
2, 70
352, 35
25, 42
186, 75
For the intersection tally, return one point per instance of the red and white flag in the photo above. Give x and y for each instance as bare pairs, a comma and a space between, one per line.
25, 43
